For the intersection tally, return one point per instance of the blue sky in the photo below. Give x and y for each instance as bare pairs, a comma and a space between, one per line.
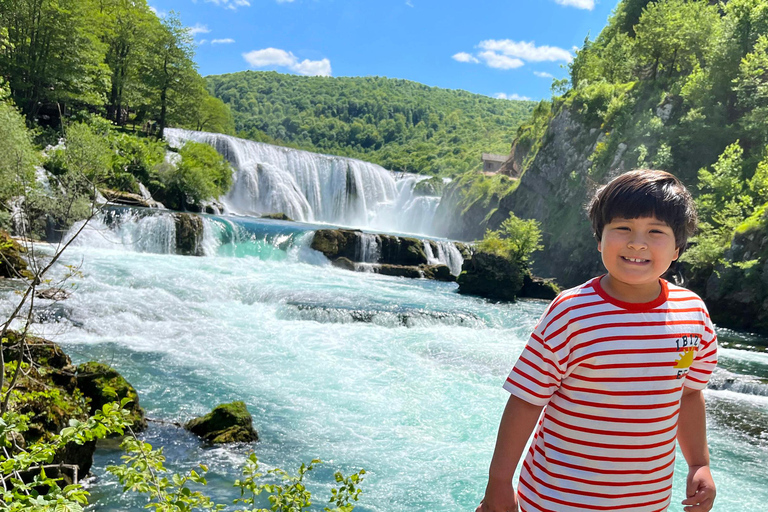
502, 48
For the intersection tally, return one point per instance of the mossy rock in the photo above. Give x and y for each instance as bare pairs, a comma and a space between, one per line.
103, 384
538, 288
189, 234
277, 216
12, 263
226, 423
431, 187
491, 276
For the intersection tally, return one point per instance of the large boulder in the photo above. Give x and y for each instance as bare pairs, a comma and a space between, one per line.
538, 288
46, 393
103, 384
491, 276
226, 423
12, 263
189, 234
355, 246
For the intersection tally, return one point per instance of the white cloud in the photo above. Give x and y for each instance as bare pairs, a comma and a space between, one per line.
284, 1
527, 51
223, 41
513, 96
465, 57
579, 4
275, 57
231, 4
409, 3
494, 60
540, 74
199, 29
202, 42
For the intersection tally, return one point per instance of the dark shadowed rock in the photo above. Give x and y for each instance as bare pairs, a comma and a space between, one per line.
538, 288
491, 276
103, 384
226, 423
277, 216
344, 263
189, 234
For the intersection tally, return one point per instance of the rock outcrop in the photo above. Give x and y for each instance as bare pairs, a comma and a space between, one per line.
128, 199
12, 263
226, 423
499, 278
102, 384
382, 254
189, 234
277, 216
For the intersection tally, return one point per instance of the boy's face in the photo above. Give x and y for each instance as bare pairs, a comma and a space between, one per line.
636, 252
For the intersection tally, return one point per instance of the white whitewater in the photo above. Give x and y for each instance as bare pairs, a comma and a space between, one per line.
312, 187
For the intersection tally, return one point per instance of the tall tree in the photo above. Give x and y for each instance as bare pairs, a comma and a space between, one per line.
52, 56
169, 72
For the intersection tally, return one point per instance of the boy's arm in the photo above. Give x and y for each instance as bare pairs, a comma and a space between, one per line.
692, 437
517, 423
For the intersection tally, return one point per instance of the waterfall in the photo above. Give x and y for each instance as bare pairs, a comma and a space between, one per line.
447, 254
368, 250
128, 229
312, 187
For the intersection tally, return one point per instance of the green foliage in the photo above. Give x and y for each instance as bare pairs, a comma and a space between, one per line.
17, 155
517, 240
401, 125
202, 174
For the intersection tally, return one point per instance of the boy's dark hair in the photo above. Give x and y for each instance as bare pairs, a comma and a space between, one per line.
645, 193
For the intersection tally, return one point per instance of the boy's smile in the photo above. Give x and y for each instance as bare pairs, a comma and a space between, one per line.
636, 252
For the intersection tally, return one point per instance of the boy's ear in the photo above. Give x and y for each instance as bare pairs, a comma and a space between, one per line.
677, 254
600, 248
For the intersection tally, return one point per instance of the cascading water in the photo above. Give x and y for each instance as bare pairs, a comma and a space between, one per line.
316, 188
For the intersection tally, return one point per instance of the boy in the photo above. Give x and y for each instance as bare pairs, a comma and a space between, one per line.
618, 366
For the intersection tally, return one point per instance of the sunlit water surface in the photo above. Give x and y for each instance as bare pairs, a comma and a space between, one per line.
399, 377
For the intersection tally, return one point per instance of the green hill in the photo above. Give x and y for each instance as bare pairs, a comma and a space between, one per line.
399, 124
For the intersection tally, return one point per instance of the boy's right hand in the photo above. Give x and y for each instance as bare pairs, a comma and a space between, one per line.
500, 496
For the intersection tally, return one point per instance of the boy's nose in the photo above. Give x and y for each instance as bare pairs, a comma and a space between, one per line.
637, 244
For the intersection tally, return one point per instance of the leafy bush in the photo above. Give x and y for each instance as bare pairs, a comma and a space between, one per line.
517, 240
201, 175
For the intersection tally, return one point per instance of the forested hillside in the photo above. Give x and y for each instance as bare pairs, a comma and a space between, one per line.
398, 124
670, 84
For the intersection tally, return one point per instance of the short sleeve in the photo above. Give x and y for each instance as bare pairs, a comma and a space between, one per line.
538, 372
706, 357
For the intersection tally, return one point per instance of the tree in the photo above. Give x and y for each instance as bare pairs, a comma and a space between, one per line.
201, 175
516, 240
169, 71
52, 55
213, 115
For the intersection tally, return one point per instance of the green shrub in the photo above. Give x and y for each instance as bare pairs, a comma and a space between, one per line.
517, 240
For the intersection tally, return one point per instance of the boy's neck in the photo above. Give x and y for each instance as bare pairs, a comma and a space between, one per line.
631, 293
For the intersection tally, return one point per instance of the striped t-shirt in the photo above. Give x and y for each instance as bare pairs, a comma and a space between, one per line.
611, 375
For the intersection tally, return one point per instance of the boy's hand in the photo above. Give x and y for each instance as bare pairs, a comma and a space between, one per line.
700, 490
499, 497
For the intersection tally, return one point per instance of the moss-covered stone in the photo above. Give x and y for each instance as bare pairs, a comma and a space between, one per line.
12, 263
46, 394
277, 216
226, 423
538, 288
491, 276
103, 384
189, 234
430, 187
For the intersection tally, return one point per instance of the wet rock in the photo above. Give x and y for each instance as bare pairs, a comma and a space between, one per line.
431, 187
55, 294
103, 384
12, 263
344, 263
491, 276
538, 288
392, 250
189, 234
226, 423
128, 198
277, 216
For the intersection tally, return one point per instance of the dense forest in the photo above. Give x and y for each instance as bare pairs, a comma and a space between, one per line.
401, 125
115, 58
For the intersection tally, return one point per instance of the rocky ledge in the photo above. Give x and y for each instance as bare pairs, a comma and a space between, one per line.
12, 263
52, 391
383, 254
499, 278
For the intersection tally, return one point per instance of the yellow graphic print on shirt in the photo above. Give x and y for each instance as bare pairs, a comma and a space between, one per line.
686, 358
